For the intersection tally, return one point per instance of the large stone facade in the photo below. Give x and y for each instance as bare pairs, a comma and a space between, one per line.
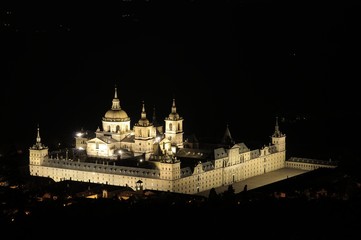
157, 158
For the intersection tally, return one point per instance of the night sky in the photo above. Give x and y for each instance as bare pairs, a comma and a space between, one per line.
240, 63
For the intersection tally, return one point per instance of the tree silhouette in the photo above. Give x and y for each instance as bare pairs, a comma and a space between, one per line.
229, 195
213, 197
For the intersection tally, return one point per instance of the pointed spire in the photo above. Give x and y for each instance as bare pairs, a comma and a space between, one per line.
115, 92
174, 108
116, 102
38, 144
143, 121
277, 132
173, 115
227, 138
143, 114
38, 138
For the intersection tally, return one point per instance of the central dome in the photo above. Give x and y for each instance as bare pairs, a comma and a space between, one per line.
116, 114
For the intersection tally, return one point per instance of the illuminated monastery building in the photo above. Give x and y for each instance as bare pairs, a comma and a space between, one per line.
156, 157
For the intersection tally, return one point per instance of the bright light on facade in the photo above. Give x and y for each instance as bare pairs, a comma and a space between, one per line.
174, 149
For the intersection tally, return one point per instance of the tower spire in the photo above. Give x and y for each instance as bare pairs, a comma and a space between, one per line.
227, 138
277, 132
38, 138
143, 121
144, 114
115, 92
174, 108
116, 102
38, 144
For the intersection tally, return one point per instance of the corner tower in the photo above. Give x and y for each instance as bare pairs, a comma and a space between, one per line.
38, 152
278, 138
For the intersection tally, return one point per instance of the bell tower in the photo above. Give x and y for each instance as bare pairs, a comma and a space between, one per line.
38, 152
144, 135
278, 138
174, 127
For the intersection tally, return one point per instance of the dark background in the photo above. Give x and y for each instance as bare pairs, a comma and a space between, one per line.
240, 63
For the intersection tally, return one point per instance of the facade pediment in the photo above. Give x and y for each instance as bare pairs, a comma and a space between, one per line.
99, 140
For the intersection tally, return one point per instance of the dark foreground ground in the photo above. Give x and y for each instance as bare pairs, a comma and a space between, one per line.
322, 204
